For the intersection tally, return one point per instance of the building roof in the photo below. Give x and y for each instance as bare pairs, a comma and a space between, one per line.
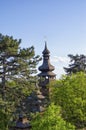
46, 51
49, 74
22, 123
46, 68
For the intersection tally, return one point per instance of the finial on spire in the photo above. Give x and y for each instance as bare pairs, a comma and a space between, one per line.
45, 45
45, 39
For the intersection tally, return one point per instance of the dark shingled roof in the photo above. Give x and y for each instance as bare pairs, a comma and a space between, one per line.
46, 68
46, 51
21, 123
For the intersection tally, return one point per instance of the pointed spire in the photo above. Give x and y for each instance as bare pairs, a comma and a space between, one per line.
46, 68
46, 51
45, 45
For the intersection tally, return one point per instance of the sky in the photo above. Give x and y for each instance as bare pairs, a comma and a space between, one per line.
61, 23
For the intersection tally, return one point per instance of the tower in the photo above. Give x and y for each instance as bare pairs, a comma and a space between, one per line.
46, 69
38, 100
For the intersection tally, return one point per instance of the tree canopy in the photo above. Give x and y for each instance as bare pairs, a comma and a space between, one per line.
67, 106
51, 120
77, 64
17, 66
70, 93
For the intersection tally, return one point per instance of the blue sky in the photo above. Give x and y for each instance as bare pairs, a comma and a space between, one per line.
62, 23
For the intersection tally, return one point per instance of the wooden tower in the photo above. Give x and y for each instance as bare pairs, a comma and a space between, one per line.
46, 69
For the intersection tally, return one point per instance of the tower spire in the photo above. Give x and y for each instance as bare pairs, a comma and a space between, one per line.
45, 51
45, 45
46, 68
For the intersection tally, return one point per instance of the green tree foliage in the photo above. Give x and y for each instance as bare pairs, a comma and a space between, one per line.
77, 64
70, 93
3, 120
14, 61
16, 68
14, 102
50, 120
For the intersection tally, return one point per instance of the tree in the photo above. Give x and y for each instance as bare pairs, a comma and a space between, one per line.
51, 120
14, 61
77, 64
70, 93
3, 121
16, 68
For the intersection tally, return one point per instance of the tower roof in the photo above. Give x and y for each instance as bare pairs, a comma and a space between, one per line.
46, 68
46, 51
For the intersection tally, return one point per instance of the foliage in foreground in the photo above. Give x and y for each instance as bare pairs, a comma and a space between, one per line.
70, 93
50, 120
16, 68
3, 121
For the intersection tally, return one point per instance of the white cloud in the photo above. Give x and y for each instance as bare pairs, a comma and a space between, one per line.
59, 62
60, 59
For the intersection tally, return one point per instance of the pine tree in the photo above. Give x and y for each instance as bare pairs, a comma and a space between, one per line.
17, 66
77, 64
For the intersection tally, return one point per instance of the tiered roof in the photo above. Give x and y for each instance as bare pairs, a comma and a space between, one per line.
46, 68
